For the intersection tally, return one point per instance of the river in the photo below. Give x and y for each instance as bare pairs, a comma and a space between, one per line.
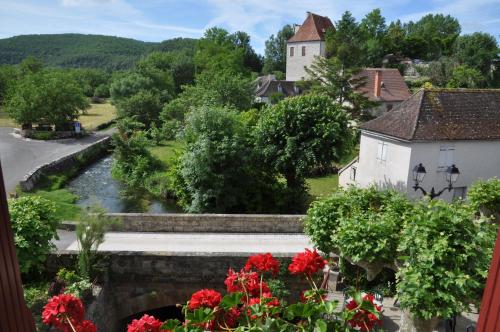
95, 185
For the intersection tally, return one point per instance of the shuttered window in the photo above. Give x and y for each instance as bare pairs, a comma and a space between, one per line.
291, 51
446, 156
303, 51
382, 151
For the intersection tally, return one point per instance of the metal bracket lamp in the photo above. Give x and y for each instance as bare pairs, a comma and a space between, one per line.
451, 176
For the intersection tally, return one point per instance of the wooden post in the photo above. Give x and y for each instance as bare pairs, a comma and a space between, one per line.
14, 313
489, 314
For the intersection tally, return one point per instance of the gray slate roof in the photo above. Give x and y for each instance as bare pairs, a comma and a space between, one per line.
443, 114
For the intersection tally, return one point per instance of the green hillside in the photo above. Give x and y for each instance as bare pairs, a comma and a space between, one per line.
78, 50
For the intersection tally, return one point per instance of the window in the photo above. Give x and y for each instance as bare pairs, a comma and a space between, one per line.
353, 174
291, 51
459, 192
382, 151
446, 153
303, 51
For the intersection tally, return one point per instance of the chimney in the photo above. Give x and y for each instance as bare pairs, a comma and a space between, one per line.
377, 83
296, 28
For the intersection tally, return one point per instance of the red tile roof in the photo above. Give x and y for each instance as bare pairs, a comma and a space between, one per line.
313, 28
394, 87
441, 115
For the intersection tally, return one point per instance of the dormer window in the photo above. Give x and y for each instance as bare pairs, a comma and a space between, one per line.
291, 51
303, 51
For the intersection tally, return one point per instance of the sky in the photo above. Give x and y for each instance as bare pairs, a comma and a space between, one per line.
157, 20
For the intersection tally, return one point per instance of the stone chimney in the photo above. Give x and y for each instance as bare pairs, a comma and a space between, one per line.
377, 84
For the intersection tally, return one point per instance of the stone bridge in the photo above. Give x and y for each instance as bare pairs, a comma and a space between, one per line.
156, 261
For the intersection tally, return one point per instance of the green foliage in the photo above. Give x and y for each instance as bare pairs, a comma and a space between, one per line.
484, 196
466, 77
48, 97
34, 226
36, 296
477, 50
75, 50
219, 171
329, 77
90, 231
299, 134
275, 52
441, 250
447, 259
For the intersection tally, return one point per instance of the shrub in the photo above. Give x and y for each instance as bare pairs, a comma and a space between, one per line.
484, 196
34, 226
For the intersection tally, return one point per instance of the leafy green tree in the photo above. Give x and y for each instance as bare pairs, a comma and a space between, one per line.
344, 42
219, 172
373, 31
145, 106
275, 52
90, 79
477, 50
395, 38
49, 96
439, 72
30, 65
437, 31
34, 227
329, 77
466, 77
9, 75
301, 133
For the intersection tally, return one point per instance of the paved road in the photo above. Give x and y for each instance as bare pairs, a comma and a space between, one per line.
194, 243
19, 156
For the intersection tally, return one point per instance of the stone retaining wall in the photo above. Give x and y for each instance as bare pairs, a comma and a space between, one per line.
205, 223
81, 158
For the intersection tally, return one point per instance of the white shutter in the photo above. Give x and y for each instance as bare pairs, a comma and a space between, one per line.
446, 156
384, 152
379, 150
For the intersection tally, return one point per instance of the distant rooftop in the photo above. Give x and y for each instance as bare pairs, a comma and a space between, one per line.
393, 84
443, 114
313, 29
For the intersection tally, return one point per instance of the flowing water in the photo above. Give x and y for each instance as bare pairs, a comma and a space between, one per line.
95, 185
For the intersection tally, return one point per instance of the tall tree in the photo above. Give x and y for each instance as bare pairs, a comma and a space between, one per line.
373, 31
477, 50
275, 53
301, 133
331, 78
343, 42
438, 31
395, 38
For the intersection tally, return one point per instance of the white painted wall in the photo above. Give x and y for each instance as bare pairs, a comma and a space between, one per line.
295, 64
391, 173
475, 160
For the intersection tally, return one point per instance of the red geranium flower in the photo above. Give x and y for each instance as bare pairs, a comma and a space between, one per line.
308, 262
245, 281
363, 320
145, 324
86, 326
62, 307
207, 298
230, 318
263, 263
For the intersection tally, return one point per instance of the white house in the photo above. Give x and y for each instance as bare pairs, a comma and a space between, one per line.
307, 43
436, 128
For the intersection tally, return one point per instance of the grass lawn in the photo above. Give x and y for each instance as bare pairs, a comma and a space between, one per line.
5, 121
167, 150
97, 114
66, 209
323, 186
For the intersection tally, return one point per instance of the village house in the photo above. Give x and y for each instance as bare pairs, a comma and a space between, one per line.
385, 86
267, 86
434, 129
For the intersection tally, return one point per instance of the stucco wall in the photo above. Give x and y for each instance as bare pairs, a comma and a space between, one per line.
295, 64
475, 160
391, 173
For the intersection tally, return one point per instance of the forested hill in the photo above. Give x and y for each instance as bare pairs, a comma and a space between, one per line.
78, 50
